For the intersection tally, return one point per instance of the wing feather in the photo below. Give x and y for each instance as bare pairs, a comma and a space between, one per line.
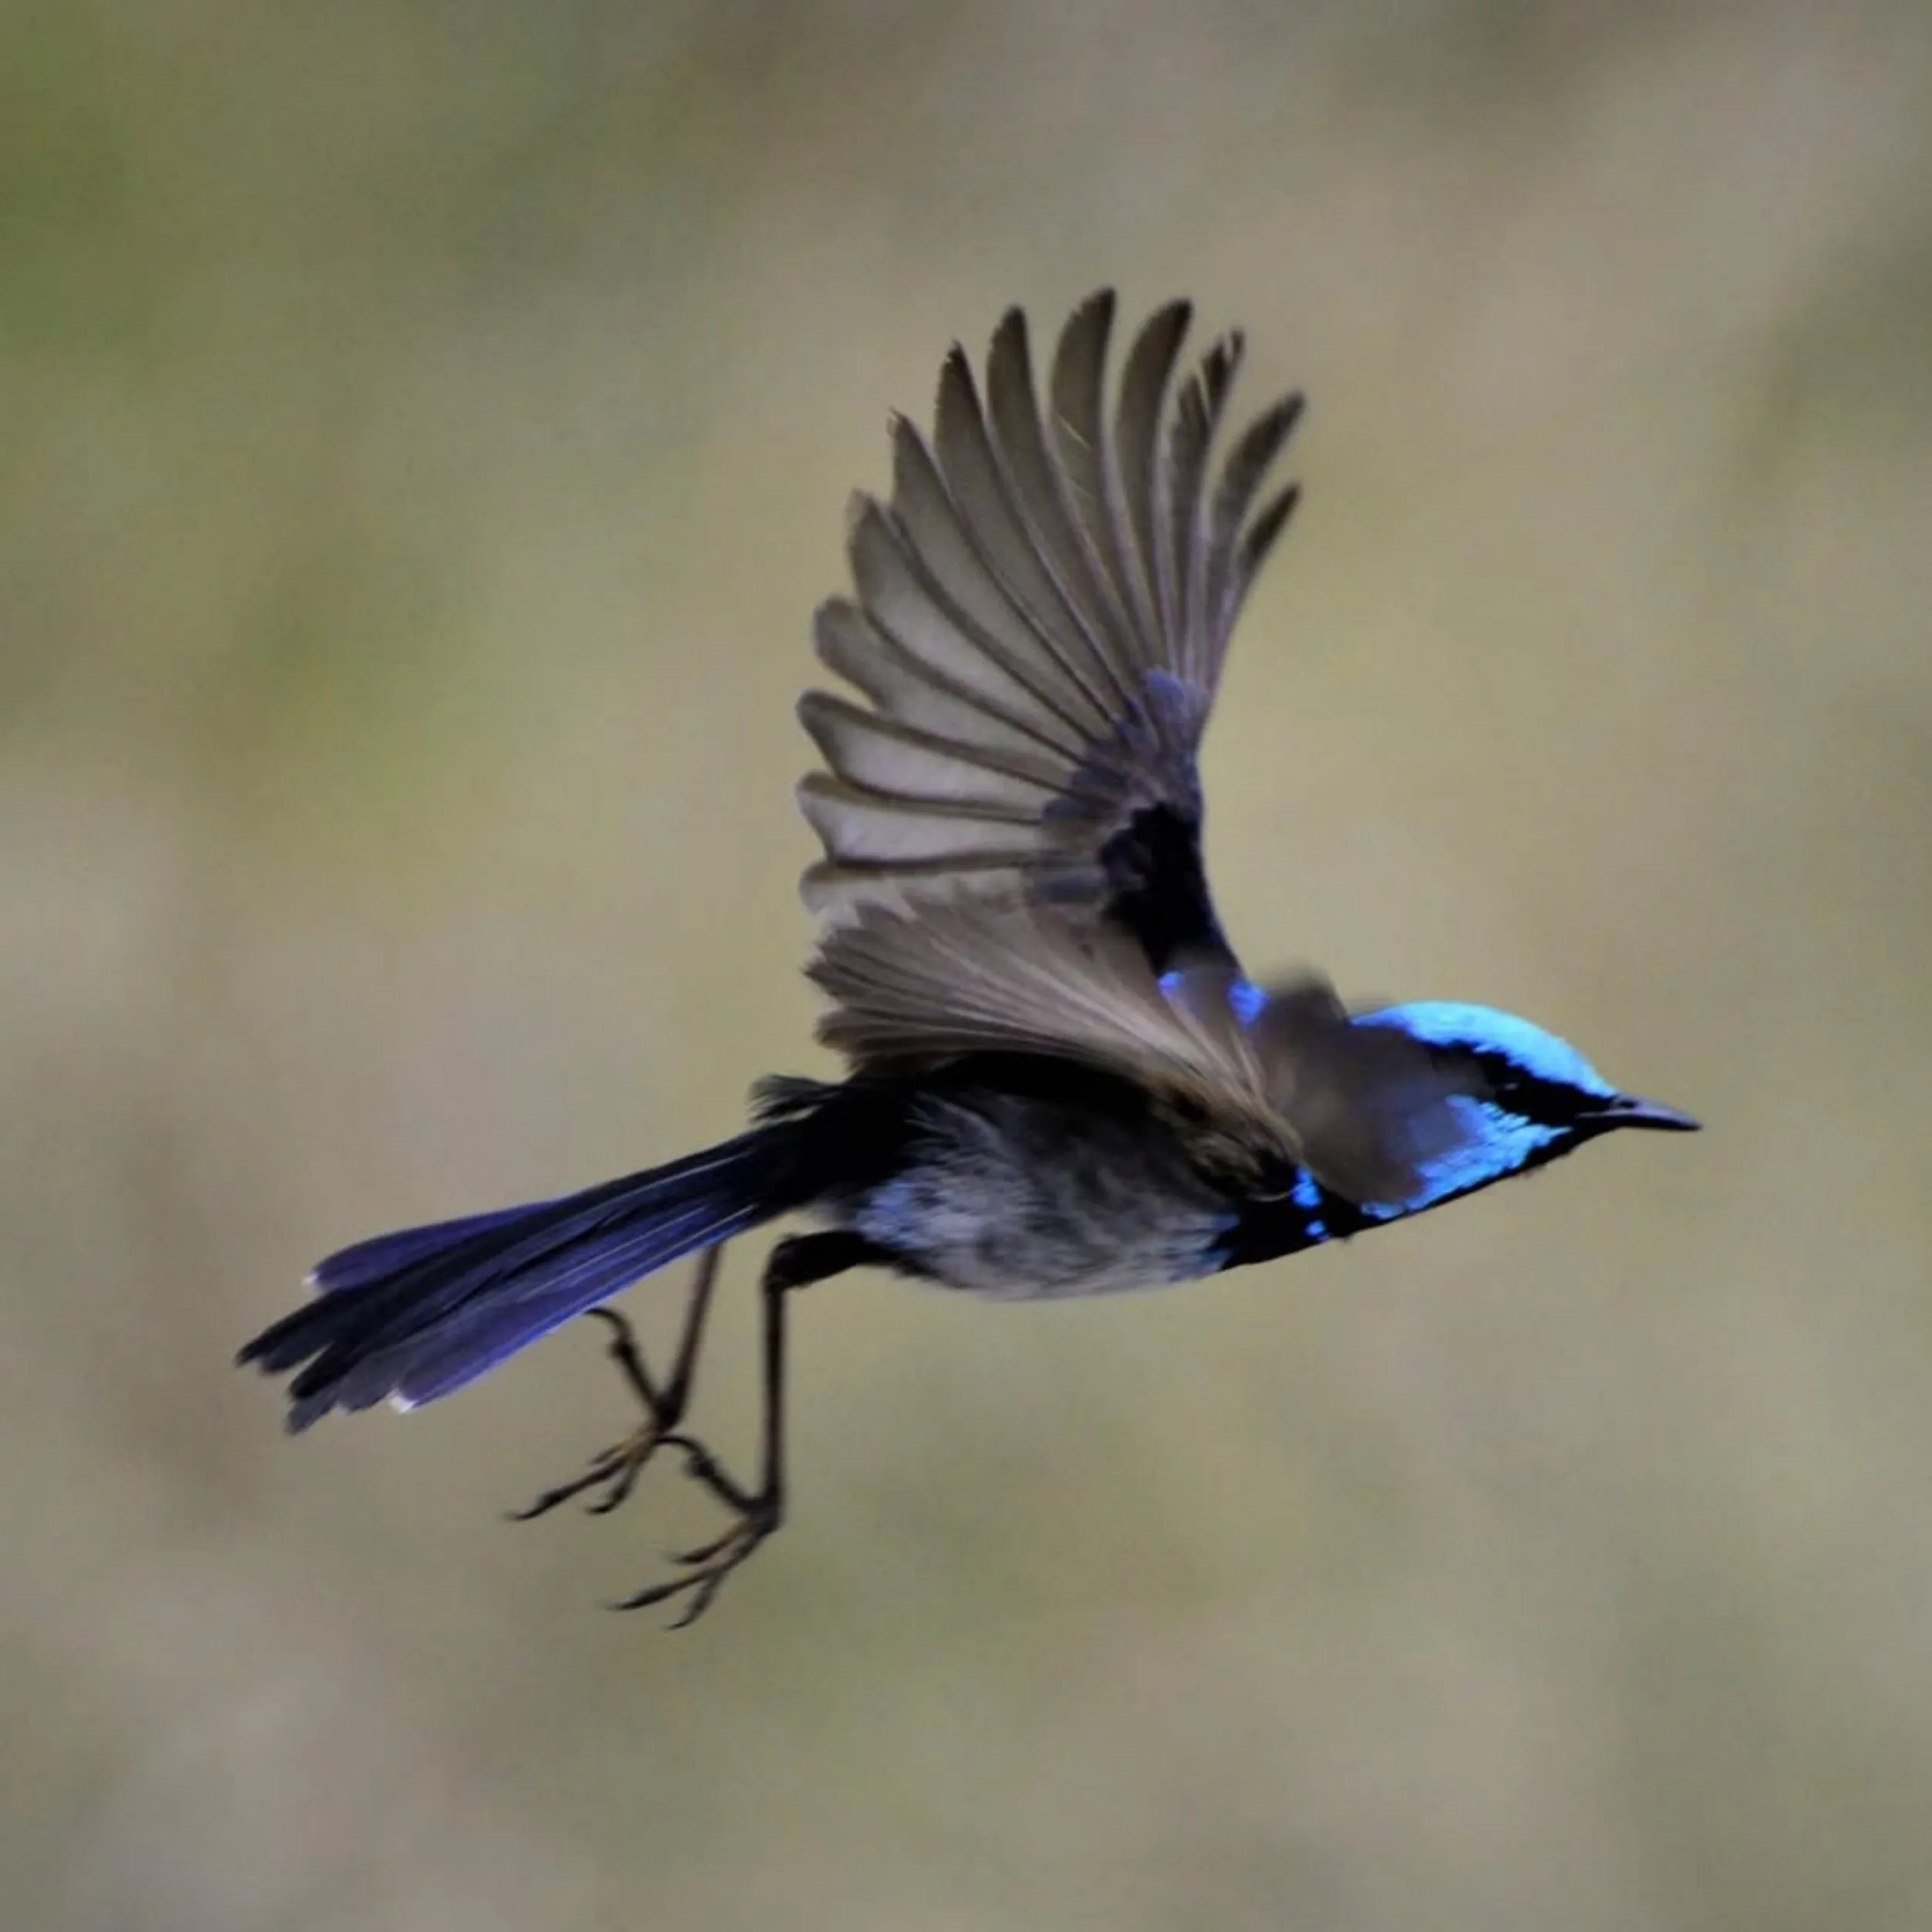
1197, 416
918, 986
1038, 488
1040, 615
1241, 476
992, 517
851, 643
1143, 386
1083, 446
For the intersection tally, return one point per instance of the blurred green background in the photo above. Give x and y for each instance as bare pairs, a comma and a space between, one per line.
427, 430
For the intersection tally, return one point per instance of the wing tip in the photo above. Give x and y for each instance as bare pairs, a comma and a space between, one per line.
1096, 312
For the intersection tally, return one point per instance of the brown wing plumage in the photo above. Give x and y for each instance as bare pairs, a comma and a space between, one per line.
1042, 610
914, 987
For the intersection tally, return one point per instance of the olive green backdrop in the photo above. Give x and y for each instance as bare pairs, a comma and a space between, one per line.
423, 435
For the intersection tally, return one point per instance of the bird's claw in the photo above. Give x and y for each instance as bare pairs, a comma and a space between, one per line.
616, 1470
709, 1565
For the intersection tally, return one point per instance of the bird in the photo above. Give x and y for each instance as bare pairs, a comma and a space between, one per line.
1059, 1079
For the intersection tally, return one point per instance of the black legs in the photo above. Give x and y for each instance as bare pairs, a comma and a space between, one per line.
617, 1469
794, 1263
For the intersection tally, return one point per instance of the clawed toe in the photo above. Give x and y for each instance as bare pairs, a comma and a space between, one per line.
708, 1567
616, 1471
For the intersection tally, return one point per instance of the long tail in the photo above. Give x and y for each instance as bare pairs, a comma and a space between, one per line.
412, 1316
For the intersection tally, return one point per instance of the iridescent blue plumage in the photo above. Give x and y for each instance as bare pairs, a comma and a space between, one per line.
1497, 1144
1496, 1139
1484, 1029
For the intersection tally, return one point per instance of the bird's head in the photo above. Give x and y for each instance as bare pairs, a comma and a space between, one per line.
1535, 1097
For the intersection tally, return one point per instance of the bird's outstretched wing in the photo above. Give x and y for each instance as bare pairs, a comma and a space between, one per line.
1362, 1108
1041, 612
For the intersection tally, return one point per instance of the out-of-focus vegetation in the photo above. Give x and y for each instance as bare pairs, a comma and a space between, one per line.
425, 428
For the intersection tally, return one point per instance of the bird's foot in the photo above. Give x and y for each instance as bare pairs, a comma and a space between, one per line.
706, 1567
615, 1470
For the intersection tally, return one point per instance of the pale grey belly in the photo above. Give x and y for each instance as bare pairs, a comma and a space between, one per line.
1017, 1199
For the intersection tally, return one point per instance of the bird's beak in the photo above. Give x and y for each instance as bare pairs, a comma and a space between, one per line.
1628, 1111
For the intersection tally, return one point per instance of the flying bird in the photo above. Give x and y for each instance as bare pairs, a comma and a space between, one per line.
1060, 1081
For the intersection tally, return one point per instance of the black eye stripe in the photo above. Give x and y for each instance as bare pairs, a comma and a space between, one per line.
1549, 1103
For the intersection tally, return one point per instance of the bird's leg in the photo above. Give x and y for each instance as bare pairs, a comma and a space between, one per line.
795, 1262
616, 1470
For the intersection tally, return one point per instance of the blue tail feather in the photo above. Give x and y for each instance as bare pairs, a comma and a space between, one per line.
417, 1313
385, 1254
486, 1333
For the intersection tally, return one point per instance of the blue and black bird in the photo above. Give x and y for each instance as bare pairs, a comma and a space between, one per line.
1060, 1081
